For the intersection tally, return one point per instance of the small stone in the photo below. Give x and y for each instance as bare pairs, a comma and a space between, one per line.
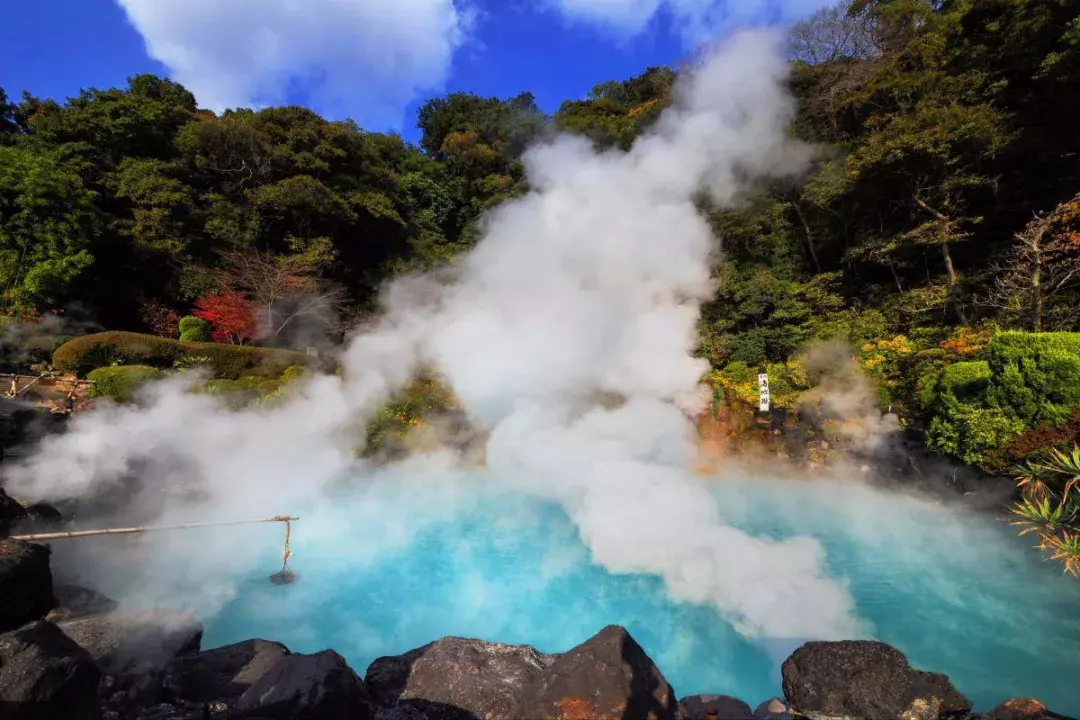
773, 709
714, 707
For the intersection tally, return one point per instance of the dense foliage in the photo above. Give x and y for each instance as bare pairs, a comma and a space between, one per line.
938, 233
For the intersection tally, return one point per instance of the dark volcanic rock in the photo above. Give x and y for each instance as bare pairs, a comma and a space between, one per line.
223, 673
73, 602
608, 677
26, 589
117, 641
320, 686
45, 676
11, 513
694, 707
1023, 709
165, 711
40, 517
457, 679
866, 679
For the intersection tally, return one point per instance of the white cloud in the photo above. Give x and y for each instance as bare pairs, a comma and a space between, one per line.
697, 21
363, 58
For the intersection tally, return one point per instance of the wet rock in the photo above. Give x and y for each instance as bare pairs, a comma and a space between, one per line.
457, 679
773, 709
144, 686
1023, 709
11, 513
44, 513
119, 640
165, 711
695, 707
26, 588
320, 686
399, 712
607, 677
46, 676
861, 678
73, 602
221, 673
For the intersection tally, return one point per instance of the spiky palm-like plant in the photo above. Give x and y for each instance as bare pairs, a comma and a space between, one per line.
1050, 506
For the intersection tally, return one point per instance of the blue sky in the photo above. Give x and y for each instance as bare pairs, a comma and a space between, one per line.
373, 60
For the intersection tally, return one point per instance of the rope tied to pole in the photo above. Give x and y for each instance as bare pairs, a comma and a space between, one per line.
284, 577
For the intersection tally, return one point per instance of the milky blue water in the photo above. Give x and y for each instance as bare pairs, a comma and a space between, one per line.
958, 594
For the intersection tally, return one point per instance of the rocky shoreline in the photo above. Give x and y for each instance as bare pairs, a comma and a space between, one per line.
68, 653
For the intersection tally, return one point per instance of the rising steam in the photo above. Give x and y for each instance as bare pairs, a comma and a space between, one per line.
588, 287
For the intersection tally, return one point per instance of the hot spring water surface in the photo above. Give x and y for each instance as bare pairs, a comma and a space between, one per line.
959, 595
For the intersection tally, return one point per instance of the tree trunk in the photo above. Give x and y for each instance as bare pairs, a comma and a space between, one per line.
809, 236
948, 263
1036, 288
896, 277
946, 255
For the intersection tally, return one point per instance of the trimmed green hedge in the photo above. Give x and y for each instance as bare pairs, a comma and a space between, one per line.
119, 382
962, 382
88, 352
1035, 376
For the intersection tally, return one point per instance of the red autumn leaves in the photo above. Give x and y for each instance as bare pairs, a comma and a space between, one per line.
231, 316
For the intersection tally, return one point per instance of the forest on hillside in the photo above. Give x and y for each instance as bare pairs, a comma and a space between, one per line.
938, 232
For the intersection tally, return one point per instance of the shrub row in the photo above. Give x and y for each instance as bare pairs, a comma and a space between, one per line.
88, 352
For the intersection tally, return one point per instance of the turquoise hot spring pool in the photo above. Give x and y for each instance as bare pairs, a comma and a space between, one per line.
384, 572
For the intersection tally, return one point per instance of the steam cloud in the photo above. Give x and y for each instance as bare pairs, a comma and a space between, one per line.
589, 287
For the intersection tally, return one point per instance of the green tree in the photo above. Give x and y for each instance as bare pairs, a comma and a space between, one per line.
48, 223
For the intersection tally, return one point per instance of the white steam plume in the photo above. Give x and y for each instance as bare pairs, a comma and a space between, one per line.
587, 287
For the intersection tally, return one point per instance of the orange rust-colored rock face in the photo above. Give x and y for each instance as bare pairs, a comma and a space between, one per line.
1020, 709
571, 708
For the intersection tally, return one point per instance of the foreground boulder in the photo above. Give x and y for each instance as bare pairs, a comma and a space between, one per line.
11, 513
1023, 709
73, 601
320, 686
457, 679
861, 678
46, 676
725, 707
608, 677
223, 673
26, 588
118, 641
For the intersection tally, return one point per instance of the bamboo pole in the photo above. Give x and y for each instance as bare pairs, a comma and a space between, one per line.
38, 537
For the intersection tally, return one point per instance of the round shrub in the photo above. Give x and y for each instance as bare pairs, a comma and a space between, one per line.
119, 383
194, 329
